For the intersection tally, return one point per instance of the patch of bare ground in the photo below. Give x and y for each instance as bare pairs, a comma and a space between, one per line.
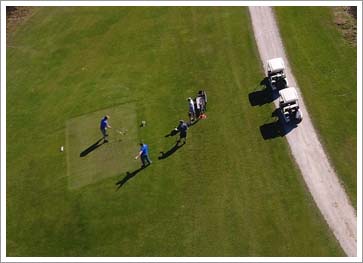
15, 15
345, 17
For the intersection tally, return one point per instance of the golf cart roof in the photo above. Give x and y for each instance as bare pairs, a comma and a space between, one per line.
289, 95
275, 65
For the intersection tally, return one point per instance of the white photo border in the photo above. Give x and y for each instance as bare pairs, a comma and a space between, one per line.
358, 258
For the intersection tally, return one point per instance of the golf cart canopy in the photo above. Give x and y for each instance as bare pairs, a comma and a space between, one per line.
289, 95
275, 65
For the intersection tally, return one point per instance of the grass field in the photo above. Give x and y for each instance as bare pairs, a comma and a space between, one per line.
89, 159
324, 64
227, 192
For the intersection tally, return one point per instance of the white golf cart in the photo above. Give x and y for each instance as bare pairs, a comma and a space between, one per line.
289, 105
276, 74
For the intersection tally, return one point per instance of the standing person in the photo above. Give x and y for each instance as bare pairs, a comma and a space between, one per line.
197, 107
191, 110
144, 154
182, 129
200, 105
203, 94
104, 126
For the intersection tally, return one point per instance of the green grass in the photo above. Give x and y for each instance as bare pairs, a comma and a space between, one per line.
225, 193
89, 160
324, 64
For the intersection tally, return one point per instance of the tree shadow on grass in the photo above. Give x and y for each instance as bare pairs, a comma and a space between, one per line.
129, 176
91, 148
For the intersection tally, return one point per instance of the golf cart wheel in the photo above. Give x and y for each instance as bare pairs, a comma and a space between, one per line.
298, 116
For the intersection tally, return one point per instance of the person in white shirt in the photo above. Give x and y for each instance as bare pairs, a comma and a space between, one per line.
192, 115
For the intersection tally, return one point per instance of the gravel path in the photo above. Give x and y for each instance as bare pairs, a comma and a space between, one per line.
305, 146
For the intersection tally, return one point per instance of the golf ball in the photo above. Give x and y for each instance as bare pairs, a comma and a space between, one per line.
62, 149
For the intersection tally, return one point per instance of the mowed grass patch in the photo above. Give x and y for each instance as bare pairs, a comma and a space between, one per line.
325, 66
89, 159
227, 192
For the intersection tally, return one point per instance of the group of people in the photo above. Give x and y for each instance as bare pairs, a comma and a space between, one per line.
197, 109
198, 106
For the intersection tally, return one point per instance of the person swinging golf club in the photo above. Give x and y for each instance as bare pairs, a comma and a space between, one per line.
104, 126
144, 154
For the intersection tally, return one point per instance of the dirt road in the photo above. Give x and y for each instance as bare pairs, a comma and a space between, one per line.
305, 146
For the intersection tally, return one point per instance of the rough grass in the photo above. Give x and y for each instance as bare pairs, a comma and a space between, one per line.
325, 67
345, 17
15, 16
227, 192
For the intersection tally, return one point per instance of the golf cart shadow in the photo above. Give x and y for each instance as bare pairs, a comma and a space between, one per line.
276, 129
264, 96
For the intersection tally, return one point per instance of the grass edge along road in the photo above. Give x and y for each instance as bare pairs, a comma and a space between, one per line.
324, 64
222, 194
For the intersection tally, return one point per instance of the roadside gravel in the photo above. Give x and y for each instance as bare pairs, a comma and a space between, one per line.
305, 146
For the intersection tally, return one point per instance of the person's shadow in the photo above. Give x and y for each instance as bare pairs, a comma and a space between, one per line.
173, 132
91, 148
128, 177
176, 147
190, 124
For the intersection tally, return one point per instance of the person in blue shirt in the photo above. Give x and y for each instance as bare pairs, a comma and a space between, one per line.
104, 126
144, 154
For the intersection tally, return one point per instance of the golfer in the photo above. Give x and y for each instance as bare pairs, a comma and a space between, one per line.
144, 154
104, 126
182, 128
